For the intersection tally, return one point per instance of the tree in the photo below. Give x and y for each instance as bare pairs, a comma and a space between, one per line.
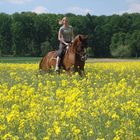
23, 33
119, 46
42, 31
45, 48
5, 34
54, 27
134, 44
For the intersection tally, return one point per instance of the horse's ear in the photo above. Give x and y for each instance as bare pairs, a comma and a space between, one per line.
83, 37
80, 38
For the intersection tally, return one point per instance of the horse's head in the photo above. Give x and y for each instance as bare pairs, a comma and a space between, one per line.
80, 43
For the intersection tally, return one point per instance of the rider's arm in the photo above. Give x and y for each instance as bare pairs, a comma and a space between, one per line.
60, 38
72, 35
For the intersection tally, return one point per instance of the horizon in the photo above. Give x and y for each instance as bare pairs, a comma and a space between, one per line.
82, 7
67, 13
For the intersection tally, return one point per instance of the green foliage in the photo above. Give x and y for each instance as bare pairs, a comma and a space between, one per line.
125, 45
134, 44
5, 34
122, 51
0, 53
119, 46
45, 48
31, 34
90, 52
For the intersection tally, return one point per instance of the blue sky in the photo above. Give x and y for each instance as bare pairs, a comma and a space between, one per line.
82, 7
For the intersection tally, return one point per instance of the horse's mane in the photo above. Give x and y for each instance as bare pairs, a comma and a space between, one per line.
75, 41
78, 39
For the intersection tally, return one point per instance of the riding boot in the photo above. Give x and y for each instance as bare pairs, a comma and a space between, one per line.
57, 64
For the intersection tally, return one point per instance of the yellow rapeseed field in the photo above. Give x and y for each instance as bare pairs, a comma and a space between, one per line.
104, 105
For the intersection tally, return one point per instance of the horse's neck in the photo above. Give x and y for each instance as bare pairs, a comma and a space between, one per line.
69, 58
72, 48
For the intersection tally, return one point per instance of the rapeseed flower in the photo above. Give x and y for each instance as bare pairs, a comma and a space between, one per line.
105, 104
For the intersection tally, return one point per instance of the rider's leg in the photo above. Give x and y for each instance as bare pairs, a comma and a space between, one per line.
57, 63
59, 53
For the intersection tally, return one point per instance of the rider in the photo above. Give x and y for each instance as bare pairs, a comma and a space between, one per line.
65, 36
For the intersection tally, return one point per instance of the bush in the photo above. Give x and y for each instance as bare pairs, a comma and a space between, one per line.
90, 52
45, 48
121, 51
0, 53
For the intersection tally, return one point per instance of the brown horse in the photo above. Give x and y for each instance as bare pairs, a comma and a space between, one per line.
74, 57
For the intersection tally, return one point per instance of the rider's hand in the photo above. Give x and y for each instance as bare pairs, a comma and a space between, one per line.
72, 41
66, 44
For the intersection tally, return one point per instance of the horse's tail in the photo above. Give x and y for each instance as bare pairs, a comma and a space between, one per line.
40, 64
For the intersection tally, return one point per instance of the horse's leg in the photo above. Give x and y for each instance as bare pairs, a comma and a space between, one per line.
42, 67
47, 62
82, 71
68, 71
77, 69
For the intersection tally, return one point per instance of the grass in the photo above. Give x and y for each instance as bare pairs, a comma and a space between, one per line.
20, 59
92, 60
37, 60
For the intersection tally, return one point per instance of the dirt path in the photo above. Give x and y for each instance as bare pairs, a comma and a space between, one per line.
91, 60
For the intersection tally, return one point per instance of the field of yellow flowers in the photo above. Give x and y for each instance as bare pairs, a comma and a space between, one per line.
104, 105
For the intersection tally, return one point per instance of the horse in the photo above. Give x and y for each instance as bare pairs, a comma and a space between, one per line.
74, 57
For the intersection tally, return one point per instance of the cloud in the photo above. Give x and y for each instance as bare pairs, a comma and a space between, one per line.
131, 1
18, 1
78, 10
40, 9
134, 8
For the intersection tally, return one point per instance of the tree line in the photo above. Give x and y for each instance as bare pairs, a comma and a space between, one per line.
31, 34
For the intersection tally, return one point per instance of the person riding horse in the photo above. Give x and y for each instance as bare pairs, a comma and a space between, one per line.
65, 36
74, 58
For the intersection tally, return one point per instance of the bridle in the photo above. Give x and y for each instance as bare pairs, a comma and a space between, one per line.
82, 54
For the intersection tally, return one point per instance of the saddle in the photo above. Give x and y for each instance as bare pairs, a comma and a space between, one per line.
63, 53
62, 57
65, 50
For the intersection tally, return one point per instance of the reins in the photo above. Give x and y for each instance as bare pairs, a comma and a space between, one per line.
82, 54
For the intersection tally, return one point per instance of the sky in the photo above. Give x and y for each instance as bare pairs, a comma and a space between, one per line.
78, 7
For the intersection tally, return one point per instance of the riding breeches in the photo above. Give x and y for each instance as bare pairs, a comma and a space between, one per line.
61, 49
